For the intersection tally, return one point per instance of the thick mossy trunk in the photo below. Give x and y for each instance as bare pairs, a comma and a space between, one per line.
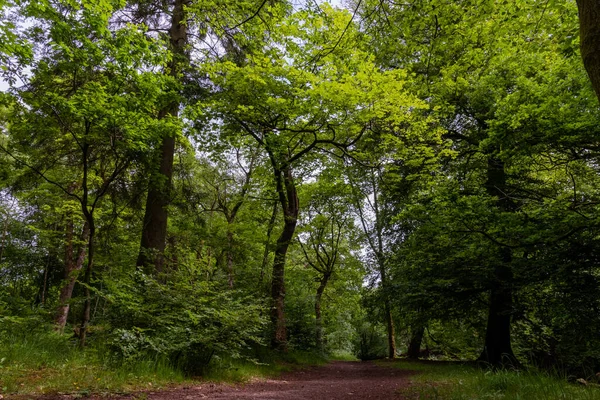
497, 349
416, 338
154, 230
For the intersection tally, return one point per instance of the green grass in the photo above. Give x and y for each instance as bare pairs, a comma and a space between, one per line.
343, 356
269, 365
456, 381
46, 363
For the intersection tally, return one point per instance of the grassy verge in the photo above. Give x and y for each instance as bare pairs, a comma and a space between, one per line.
453, 381
41, 364
47, 363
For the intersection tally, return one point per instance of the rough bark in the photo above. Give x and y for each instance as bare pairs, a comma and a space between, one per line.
289, 201
270, 228
389, 319
85, 318
72, 268
44, 286
89, 219
374, 237
497, 348
154, 230
589, 31
416, 338
319, 322
391, 332
3, 240
230, 272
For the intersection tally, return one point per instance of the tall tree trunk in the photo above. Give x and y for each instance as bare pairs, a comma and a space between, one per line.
318, 319
154, 230
85, 318
268, 242
230, 273
89, 218
497, 348
3, 240
289, 201
589, 31
390, 329
416, 338
44, 286
72, 267
391, 332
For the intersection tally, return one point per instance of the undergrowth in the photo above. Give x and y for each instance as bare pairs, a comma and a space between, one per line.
455, 381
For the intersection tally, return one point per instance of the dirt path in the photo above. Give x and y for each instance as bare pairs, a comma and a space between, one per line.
337, 380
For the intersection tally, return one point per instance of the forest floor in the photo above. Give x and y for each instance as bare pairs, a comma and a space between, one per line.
336, 380
398, 379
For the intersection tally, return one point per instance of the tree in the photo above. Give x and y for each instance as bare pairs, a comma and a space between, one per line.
481, 97
297, 100
228, 25
324, 239
589, 31
154, 229
84, 117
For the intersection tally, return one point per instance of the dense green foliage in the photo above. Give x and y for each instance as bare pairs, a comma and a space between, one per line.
413, 178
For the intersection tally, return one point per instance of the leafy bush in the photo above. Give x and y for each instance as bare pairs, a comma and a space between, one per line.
186, 321
371, 343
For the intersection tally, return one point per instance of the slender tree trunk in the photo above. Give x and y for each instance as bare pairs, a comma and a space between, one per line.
154, 230
270, 228
390, 329
230, 273
589, 31
318, 319
89, 218
44, 287
72, 268
387, 307
3, 240
85, 318
391, 332
416, 337
497, 348
289, 200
